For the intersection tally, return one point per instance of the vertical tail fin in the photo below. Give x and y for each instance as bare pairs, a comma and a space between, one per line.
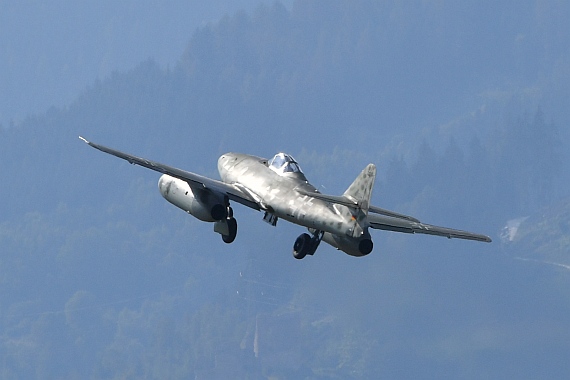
361, 189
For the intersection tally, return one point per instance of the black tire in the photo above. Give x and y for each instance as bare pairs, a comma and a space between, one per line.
232, 226
302, 246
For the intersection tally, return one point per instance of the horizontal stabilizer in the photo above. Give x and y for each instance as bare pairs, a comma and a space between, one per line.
392, 214
341, 200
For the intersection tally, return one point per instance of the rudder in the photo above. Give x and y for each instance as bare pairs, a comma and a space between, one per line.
361, 189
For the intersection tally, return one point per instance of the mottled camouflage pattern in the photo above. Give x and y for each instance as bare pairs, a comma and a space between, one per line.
342, 221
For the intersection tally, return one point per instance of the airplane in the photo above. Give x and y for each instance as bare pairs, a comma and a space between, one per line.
279, 188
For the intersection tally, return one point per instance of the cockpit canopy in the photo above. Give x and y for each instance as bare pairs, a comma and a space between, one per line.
283, 163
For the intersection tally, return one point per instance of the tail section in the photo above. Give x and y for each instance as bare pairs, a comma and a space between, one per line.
360, 190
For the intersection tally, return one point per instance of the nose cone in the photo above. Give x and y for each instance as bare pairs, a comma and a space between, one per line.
225, 163
223, 160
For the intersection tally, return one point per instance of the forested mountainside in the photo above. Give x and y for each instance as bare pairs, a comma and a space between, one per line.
461, 105
51, 51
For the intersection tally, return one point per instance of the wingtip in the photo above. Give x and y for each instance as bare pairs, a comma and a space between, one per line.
83, 139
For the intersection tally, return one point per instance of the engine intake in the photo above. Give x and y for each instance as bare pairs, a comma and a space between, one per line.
201, 204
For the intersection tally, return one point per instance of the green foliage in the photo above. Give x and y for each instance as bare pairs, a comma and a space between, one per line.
100, 278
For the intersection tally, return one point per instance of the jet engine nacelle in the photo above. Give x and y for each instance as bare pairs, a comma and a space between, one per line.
360, 246
199, 203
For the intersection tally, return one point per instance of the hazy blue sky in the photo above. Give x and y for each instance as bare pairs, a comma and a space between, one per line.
51, 50
463, 106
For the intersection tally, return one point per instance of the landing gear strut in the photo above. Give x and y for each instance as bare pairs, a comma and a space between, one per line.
232, 228
307, 244
227, 227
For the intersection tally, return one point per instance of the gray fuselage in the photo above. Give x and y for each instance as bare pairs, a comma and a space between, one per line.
277, 192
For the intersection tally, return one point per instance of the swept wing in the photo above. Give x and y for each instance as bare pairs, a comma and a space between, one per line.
382, 219
388, 223
194, 180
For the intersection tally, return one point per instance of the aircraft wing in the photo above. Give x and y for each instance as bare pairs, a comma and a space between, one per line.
194, 180
388, 223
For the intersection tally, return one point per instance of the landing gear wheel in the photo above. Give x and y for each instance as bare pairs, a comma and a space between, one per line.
232, 227
302, 246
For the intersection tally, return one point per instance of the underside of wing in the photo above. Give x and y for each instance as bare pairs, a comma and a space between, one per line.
388, 223
194, 180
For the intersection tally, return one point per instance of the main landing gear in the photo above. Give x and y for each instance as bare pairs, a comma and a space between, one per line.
307, 244
232, 228
227, 227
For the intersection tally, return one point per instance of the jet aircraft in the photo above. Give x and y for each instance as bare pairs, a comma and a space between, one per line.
279, 188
